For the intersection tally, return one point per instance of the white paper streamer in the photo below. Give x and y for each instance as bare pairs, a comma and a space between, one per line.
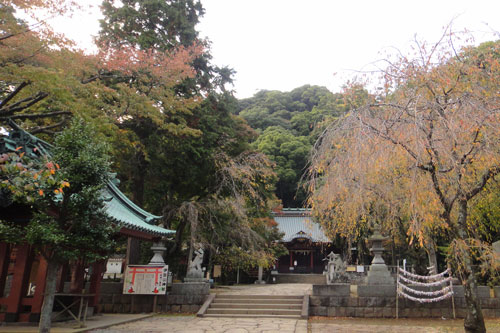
425, 284
424, 300
426, 293
429, 296
423, 277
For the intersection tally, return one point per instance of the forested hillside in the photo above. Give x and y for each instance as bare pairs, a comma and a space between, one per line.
288, 124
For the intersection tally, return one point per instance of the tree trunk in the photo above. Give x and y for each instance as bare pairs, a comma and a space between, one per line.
474, 320
48, 300
430, 248
178, 237
139, 178
133, 256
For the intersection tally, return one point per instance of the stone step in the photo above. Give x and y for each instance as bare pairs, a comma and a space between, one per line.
247, 311
257, 301
300, 278
297, 306
252, 316
220, 296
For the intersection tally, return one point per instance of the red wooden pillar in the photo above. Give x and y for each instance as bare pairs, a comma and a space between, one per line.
41, 276
95, 283
19, 282
4, 265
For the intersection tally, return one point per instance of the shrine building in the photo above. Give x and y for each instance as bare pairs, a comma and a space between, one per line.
23, 273
305, 240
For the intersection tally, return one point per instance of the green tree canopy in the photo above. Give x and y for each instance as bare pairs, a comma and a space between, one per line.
64, 192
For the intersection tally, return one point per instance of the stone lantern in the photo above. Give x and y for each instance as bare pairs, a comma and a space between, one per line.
378, 273
158, 249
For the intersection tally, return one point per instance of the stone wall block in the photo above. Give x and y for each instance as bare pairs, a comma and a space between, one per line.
359, 312
436, 313
338, 301
111, 287
199, 299
489, 313
190, 289
497, 291
188, 299
483, 291
319, 311
362, 301
458, 291
350, 311
388, 312
118, 308
106, 298
108, 308
377, 291
404, 313
331, 312
314, 301
125, 299
341, 311
338, 290
378, 312
352, 301
390, 302
426, 312
368, 312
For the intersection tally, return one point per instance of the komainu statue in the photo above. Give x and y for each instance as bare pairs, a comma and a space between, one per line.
336, 268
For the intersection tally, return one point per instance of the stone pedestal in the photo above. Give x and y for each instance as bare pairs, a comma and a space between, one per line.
202, 288
378, 273
195, 280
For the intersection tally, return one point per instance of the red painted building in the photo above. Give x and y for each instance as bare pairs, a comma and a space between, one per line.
305, 240
23, 273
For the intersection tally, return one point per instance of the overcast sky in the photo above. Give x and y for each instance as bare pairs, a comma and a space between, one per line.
283, 44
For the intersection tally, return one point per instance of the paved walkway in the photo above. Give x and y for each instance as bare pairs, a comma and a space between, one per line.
378, 325
105, 320
191, 324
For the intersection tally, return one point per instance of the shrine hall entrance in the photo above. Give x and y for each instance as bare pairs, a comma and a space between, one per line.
302, 261
304, 240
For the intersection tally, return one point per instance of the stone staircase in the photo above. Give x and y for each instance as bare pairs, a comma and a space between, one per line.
300, 278
273, 306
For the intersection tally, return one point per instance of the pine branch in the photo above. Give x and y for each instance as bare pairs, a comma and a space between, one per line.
13, 93
37, 115
46, 129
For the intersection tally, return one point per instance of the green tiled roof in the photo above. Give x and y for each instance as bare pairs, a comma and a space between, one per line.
129, 215
117, 205
297, 223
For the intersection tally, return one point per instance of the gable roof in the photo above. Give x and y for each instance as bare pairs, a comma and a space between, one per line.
116, 204
298, 223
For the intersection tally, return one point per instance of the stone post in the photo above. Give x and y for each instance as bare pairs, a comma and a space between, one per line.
259, 279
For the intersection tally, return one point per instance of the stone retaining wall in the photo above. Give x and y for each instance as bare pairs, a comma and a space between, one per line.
380, 302
183, 297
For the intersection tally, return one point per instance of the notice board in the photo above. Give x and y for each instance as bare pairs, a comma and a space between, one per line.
145, 280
